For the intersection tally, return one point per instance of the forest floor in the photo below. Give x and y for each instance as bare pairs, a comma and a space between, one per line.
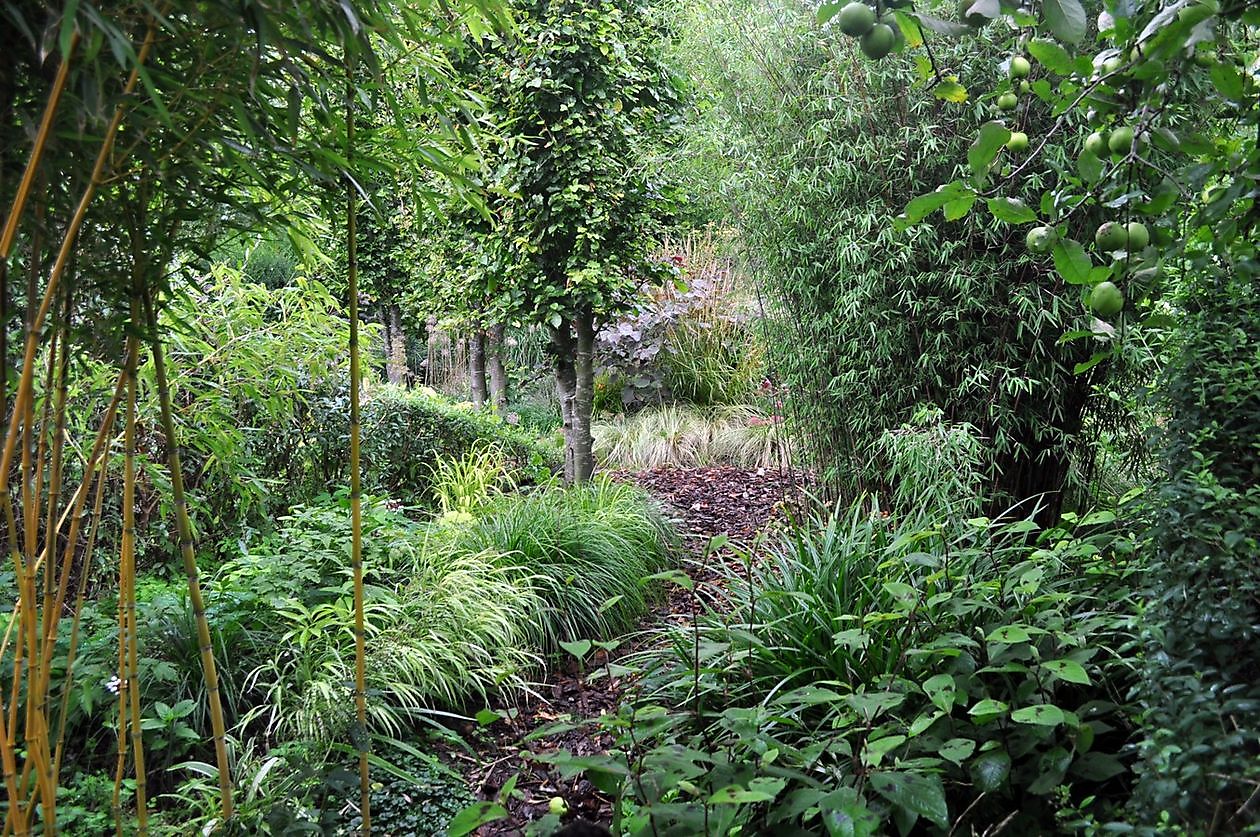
706, 502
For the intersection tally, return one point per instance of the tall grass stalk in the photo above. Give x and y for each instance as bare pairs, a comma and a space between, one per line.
356, 500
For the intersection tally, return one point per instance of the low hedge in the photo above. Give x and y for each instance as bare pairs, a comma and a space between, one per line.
406, 433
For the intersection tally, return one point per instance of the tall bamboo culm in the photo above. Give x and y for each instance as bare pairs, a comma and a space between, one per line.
356, 500
183, 526
43, 561
37, 611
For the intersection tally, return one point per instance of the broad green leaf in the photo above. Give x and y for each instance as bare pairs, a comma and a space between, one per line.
673, 577
1072, 262
1069, 670
909, 29
1089, 167
989, 770
759, 790
873, 704
486, 717
957, 749
809, 696
827, 11
987, 710
941, 690
1044, 714
1086, 365
949, 28
1009, 634
1065, 19
960, 206
921, 723
876, 749
1227, 81
990, 139
578, 647
985, 8
919, 794
1051, 55
925, 205
950, 90
474, 816
1011, 211
1098, 518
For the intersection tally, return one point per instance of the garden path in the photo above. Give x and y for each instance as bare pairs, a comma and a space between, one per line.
707, 502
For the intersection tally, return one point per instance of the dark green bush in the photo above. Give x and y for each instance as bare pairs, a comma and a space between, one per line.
1201, 683
867, 323
406, 433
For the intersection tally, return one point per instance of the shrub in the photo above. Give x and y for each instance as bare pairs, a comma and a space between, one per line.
583, 551
691, 342
464, 484
1201, 683
867, 322
406, 433
934, 464
887, 670
417, 795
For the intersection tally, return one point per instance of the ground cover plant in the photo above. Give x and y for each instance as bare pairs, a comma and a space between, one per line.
874, 671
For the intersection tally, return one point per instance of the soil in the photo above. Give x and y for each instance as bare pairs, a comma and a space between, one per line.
706, 502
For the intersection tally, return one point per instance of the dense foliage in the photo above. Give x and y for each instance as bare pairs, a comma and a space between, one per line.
871, 323
873, 671
986, 273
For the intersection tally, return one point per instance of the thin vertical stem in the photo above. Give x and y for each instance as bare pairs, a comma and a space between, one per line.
125, 683
183, 528
67, 681
127, 589
356, 501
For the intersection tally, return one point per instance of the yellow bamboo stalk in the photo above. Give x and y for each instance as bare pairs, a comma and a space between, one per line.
9, 233
127, 601
80, 595
25, 382
356, 499
20, 425
183, 526
75, 512
37, 691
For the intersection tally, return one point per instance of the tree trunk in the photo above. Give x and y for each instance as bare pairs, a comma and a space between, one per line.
477, 366
566, 390
584, 397
497, 368
395, 346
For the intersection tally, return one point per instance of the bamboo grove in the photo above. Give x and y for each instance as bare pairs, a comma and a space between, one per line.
160, 130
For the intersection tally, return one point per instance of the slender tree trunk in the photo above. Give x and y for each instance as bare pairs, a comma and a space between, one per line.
497, 368
566, 389
477, 366
395, 346
433, 348
583, 397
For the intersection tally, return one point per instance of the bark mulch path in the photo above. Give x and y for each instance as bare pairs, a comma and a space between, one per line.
706, 502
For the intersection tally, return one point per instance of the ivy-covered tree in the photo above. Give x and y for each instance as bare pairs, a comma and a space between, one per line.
586, 98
